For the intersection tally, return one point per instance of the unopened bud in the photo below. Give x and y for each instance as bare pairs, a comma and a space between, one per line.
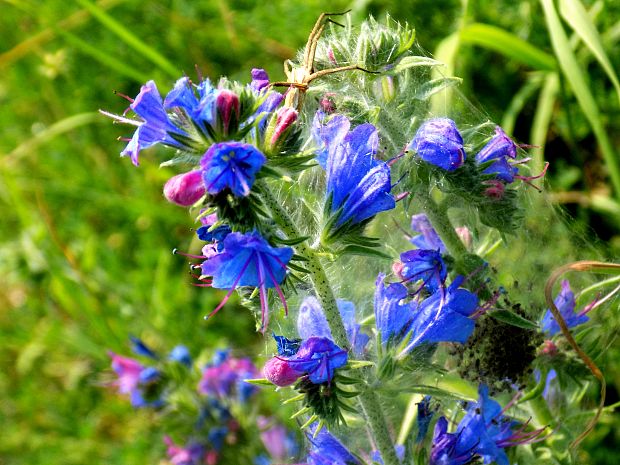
185, 189
227, 104
549, 348
285, 117
280, 372
465, 235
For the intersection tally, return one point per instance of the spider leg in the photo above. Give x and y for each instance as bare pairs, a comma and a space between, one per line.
326, 72
297, 85
314, 37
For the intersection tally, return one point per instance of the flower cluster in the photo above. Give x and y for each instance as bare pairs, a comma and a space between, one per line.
205, 407
145, 384
444, 316
255, 173
483, 432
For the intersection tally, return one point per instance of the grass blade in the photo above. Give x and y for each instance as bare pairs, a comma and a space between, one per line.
575, 15
542, 120
507, 44
103, 57
60, 127
130, 39
576, 79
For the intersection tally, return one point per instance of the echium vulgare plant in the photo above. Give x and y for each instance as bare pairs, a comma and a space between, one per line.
362, 226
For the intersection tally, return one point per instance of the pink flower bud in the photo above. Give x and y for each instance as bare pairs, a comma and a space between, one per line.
185, 189
327, 103
280, 372
465, 235
286, 116
397, 269
495, 190
549, 348
227, 104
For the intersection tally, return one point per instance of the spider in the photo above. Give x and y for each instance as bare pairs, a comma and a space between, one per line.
300, 77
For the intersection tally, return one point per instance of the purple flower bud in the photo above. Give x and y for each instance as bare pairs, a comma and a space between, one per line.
498, 150
260, 79
185, 189
439, 143
500, 146
227, 104
280, 372
285, 117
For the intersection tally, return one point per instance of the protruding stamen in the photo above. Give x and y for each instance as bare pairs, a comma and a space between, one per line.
175, 251
126, 97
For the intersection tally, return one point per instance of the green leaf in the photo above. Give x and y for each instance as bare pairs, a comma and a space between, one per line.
507, 44
575, 77
359, 250
578, 18
433, 391
412, 62
430, 88
513, 319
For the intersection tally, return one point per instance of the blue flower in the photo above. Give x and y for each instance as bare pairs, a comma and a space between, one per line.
483, 432
358, 185
287, 347
155, 127
439, 143
318, 357
311, 321
423, 265
565, 302
200, 108
325, 449
248, 260
226, 376
231, 165
445, 449
328, 133
140, 348
442, 317
425, 415
181, 354
392, 315
499, 149
428, 237
210, 234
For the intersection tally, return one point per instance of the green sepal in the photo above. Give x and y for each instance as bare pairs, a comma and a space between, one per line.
292, 242
259, 382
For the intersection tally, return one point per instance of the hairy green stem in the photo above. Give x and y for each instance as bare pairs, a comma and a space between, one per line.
378, 426
438, 217
313, 265
368, 399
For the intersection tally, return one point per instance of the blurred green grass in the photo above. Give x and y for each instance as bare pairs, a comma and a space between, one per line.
86, 239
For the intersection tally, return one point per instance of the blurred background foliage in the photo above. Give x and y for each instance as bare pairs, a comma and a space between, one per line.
86, 239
